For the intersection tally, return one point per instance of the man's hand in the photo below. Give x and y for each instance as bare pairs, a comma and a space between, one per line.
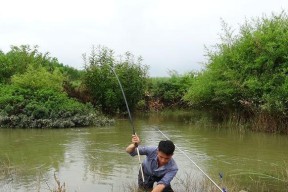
159, 188
135, 139
135, 142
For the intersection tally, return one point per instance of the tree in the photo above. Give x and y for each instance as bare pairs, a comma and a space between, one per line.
21, 58
248, 71
170, 91
38, 77
102, 82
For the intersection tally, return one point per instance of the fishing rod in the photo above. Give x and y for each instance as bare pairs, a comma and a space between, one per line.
128, 110
222, 190
131, 121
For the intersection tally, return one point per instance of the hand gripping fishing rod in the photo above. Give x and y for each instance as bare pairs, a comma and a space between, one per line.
131, 122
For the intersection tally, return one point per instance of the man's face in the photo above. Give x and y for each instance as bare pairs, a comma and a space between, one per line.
163, 159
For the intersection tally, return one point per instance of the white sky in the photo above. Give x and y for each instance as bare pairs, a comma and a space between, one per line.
169, 35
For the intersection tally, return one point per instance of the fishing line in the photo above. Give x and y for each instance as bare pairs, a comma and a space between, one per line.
193, 162
131, 121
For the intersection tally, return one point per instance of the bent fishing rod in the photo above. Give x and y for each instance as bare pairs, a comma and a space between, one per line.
223, 190
130, 119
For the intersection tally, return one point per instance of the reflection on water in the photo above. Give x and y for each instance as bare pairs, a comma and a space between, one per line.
94, 159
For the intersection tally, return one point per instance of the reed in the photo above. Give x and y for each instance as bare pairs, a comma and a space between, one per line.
6, 169
59, 188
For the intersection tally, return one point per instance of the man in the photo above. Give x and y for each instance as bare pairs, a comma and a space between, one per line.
159, 166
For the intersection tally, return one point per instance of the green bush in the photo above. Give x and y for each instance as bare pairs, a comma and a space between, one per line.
22, 58
38, 78
248, 71
44, 108
100, 79
32, 92
170, 90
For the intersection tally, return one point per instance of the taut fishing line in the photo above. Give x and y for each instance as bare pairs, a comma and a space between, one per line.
223, 190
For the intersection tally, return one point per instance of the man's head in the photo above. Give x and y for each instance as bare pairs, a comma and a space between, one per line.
166, 147
165, 152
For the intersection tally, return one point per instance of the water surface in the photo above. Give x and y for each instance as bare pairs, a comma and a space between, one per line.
94, 159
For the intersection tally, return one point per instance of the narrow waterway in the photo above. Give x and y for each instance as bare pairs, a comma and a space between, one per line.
94, 159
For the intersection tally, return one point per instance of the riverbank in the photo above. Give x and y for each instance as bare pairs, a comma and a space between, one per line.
23, 121
45, 108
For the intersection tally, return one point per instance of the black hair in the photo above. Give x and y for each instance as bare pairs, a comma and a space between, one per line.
166, 147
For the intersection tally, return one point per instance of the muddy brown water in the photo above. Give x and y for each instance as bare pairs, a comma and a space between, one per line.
94, 159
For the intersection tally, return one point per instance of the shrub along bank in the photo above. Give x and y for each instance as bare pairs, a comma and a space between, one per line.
246, 75
102, 84
44, 108
244, 82
32, 94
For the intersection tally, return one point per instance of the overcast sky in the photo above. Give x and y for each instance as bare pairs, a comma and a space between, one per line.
169, 35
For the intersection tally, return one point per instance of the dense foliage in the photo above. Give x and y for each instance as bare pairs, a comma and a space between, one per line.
248, 72
169, 91
32, 93
19, 59
41, 108
102, 70
38, 78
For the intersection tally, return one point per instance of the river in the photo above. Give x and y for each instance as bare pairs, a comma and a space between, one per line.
94, 159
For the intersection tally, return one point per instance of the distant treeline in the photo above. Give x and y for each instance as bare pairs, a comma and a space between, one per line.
245, 80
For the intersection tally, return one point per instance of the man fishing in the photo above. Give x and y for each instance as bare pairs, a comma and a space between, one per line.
158, 166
